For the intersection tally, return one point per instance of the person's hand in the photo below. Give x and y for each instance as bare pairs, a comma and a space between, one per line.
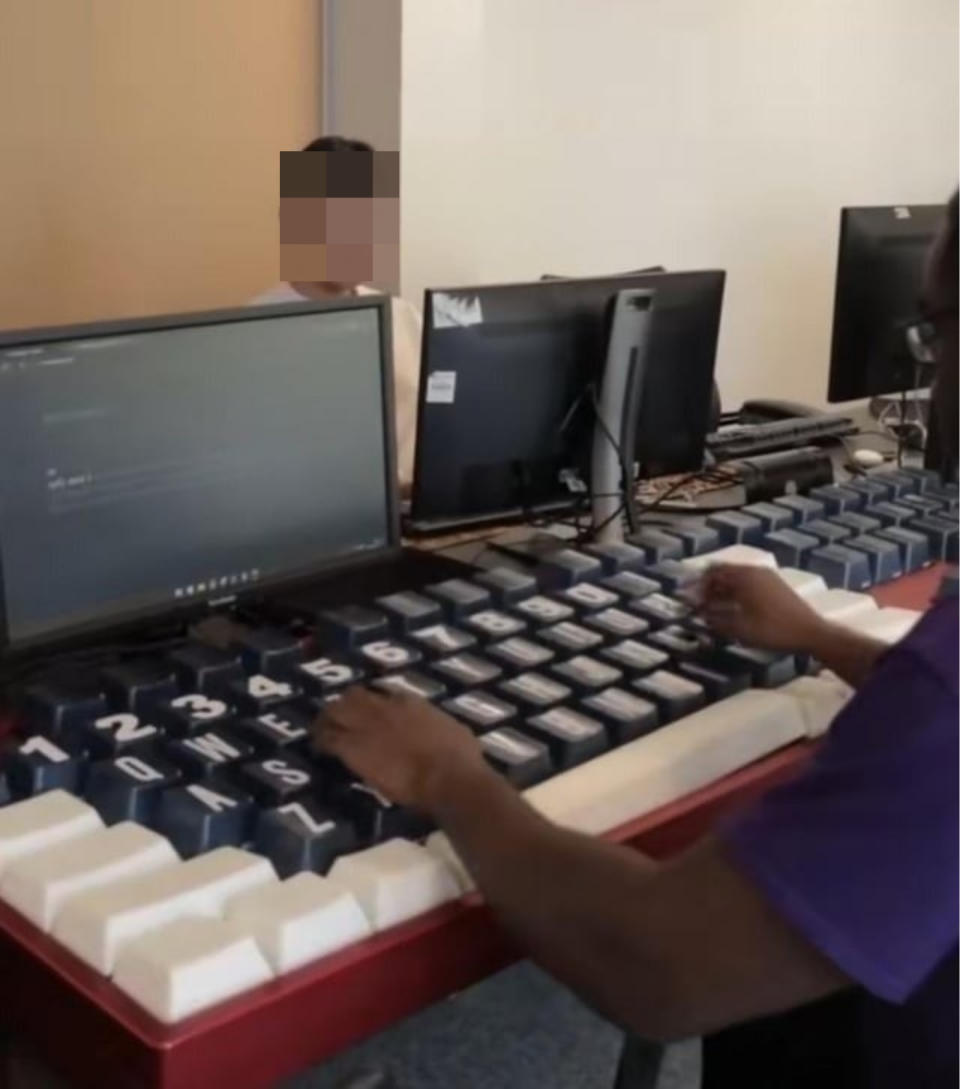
402, 746
755, 606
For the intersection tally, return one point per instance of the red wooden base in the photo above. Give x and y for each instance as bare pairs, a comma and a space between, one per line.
85, 1029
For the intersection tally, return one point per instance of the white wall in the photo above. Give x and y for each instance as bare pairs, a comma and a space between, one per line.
590, 136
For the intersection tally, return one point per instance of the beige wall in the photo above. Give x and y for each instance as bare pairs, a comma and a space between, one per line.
139, 146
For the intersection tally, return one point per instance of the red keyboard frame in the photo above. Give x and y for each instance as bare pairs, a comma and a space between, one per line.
86, 1030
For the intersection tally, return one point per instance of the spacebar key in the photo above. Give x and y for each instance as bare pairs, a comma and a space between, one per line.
671, 762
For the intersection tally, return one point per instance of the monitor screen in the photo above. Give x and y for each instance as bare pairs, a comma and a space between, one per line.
505, 418
880, 267
177, 461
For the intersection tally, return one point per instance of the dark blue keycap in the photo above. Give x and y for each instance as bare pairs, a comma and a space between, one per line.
901, 483
566, 567
803, 508
326, 674
840, 568
631, 585
303, 836
411, 683
466, 671
256, 694
408, 610
201, 755
674, 696
857, 523
925, 478
616, 623
826, 532
516, 654
766, 668
635, 657
492, 624
480, 710
506, 585
569, 638
458, 597
657, 545
588, 597
914, 547
200, 817
269, 651
571, 737
191, 713
129, 787
111, 735
520, 758
624, 714
718, 683
673, 575
585, 674
921, 505
698, 540
790, 546
386, 655
892, 514
676, 641
200, 668
276, 779
883, 556
617, 556
39, 764
946, 494
837, 499
873, 490
658, 610
375, 818
770, 516
735, 527
942, 534
139, 686
286, 726
56, 708
349, 626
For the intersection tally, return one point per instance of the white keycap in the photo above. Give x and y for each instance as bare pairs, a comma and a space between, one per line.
671, 762
888, 625
299, 920
746, 555
96, 924
188, 966
39, 884
395, 881
819, 698
439, 845
41, 822
841, 605
803, 583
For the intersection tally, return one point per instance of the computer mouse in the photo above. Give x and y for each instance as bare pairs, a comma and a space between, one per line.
868, 459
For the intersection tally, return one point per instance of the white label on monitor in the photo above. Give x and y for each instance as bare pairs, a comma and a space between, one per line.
455, 311
442, 388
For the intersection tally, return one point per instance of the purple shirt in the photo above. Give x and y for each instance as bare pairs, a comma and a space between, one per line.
860, 853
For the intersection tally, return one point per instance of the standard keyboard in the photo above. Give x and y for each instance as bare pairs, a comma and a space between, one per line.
167, 822
743, 440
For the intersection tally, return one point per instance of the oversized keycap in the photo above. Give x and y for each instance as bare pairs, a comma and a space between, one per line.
139, 686
395, 881
790, 546
442, 639
657, 545
203, 754
275, 780
56, 708
635, 656
540, 610
466, 671
840, 567
39, 764
505, 585
111, 735
180, 717
129, 787
659, 610
676, 641
588, 597
384, 655
857, 523
770, 516
521, 759
697, 540
407, 610
900, 482
328, 673
518, 654
374, 816
825, 531
299, 920
616, 556
95, 925
883, 556
873, 489
803, 508
570, 737
585, 674
673, 575
716, 682
269, 651
569, 638
189, 966
925, 478
350, 626
837, 499
914, 547
921, 505
736, 527
674, 696
285, 726
892, 514
32, 825
411, 683
39, 884
942, 535
200, 817
480, 710
566, 567
625, 715
458, 597
491, 624
253, 695
767, 668
616, 623
303, 835
534, 690
201, 668
631, 585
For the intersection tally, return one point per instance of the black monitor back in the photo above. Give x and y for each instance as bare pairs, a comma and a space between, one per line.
879, 278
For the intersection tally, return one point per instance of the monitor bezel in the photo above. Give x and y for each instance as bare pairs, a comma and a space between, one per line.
115, 622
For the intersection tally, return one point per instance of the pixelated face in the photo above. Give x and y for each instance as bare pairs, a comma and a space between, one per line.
340, 218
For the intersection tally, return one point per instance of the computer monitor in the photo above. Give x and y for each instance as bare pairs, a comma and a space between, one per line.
505, 416
879, 278
170, 463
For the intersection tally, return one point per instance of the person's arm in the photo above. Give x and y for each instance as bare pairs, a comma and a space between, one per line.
756, 607
667, 950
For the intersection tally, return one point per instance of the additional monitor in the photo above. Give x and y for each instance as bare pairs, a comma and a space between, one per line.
170, 462
505, 413
879, 278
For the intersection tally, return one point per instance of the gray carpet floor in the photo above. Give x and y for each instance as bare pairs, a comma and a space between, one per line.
517, 1030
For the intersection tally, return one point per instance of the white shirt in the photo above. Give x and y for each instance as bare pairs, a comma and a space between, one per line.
407, 330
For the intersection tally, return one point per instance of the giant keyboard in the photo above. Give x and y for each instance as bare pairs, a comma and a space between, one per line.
166, 829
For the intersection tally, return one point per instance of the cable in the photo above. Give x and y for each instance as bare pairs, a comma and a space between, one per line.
625, 471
